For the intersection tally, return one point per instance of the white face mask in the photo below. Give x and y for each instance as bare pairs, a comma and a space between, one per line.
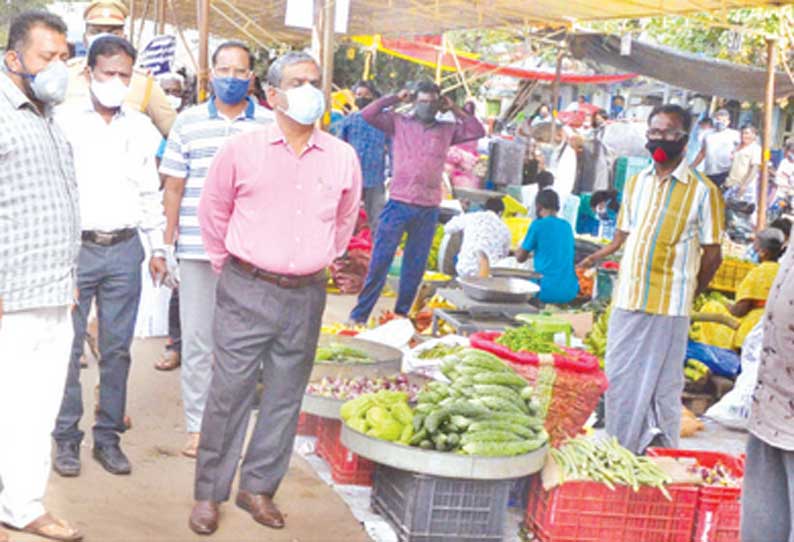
110, 93
175, 101
306, 104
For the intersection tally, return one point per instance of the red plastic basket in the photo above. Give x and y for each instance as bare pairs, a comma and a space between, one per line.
591, 512
308, 424
719, 510
346, 467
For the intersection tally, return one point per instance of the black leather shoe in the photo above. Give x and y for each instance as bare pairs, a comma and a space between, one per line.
67, 459
112, 459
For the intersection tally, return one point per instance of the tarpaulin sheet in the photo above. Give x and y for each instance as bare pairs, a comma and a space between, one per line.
425, 51
697, 73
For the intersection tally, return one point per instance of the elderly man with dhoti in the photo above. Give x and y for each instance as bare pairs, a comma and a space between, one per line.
672, 222
278, 206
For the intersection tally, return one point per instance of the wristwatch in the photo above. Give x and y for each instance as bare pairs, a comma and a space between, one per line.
159, 253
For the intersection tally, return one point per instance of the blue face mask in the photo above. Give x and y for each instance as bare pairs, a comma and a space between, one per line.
230, 90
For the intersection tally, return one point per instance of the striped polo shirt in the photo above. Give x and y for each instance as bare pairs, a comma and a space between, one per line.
668, 220
195, 137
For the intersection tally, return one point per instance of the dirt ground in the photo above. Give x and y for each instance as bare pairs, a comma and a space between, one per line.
154, 502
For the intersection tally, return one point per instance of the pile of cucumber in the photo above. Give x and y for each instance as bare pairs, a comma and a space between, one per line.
486, 409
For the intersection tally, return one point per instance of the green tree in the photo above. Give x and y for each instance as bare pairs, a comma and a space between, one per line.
738, 36
10, 9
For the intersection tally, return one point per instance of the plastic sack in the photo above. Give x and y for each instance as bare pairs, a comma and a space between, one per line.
412, 363
733, 410
722, 362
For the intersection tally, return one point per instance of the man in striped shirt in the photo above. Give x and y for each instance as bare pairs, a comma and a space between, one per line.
197, 135
671, 221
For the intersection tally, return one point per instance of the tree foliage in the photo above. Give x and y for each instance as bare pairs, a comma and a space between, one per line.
737, 36
10, 9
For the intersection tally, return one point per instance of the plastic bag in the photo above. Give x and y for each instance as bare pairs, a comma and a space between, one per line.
722, 362
733, 410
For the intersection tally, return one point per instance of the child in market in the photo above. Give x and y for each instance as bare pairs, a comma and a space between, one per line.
550, 240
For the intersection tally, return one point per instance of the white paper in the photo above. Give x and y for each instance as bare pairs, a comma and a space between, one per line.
341, 16
300, 13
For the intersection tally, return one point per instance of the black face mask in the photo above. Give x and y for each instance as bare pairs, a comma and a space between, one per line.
663, 151
426, 111
361, 103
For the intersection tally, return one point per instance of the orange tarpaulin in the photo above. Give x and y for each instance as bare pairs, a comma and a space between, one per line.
425, 51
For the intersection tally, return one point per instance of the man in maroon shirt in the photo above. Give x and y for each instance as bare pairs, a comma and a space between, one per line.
420, 145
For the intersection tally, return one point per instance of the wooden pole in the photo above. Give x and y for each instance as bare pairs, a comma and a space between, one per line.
204, 43
440, 58
327, 50
161, 6
555, 96
178, 26
131, 30
769, 104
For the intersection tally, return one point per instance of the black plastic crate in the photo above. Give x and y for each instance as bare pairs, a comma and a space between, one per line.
424, 508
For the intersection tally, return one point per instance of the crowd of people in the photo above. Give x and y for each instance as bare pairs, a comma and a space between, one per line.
105, 164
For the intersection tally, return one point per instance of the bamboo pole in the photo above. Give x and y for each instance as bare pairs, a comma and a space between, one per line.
555, 96
131, 30
178, 26
161, 6
204, 39
142, 24
440, 58
327, 51
769, 104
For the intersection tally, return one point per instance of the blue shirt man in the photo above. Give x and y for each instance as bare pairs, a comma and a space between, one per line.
371, 147
550, 240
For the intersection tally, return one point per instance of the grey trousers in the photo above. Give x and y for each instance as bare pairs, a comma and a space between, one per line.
374, 200
112, 276
196, 305
644, 366
257, 324
767, 493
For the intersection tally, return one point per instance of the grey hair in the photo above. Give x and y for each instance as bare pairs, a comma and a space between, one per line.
276, 69
171, 76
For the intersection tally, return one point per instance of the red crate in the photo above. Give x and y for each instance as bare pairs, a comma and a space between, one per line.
591, 512
346, 467
308, 424
718, 507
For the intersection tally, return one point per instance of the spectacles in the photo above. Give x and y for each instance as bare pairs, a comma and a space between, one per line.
228, 71
667, 135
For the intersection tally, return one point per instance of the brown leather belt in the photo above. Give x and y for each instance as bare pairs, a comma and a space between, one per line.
108, 238
283, 281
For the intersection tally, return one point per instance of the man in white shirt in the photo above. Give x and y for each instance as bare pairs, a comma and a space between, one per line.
483, 232
717, 149
114, 152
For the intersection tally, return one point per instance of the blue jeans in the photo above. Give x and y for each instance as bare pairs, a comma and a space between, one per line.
112, 275
396, 219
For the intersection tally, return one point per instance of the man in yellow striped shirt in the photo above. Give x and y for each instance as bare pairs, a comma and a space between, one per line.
671, 224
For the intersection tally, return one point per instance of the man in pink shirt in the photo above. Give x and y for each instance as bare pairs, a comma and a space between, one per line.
278, 206
420, 144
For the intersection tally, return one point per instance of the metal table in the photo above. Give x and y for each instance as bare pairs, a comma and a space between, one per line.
465, 323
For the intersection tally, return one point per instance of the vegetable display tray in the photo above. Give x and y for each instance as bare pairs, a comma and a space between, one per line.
328, 407
387, 360
719, 510
591, 512
424, 508
444, 464
498, 289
